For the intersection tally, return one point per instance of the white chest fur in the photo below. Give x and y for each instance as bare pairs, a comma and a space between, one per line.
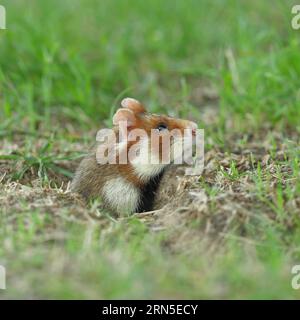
146, 164
121, 195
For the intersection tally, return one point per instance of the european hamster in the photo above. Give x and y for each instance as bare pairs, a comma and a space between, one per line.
131, 187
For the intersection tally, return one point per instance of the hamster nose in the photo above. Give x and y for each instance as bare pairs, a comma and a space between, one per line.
193, 125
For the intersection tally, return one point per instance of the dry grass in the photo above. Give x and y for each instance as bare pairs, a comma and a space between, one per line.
239, 196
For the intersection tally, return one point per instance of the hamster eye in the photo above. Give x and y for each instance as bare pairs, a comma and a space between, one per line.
161, 127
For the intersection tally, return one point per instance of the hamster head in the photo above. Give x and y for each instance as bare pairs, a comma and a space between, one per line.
151, 141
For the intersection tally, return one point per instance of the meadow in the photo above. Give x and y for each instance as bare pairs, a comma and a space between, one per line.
231, 66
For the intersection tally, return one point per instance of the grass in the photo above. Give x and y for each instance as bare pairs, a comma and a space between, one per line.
233, 66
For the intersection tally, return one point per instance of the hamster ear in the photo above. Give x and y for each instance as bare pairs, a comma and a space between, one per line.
124, 115
133, 104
